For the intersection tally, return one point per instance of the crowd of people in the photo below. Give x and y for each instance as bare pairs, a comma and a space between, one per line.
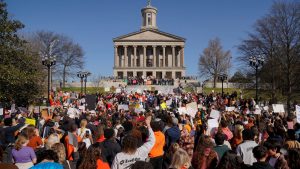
150, 80
149, 130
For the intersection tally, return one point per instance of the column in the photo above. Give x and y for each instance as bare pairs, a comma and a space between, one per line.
154, 56
125, 55
182, 57
116, 57
164, 56
134, 56
144, 56
173, 56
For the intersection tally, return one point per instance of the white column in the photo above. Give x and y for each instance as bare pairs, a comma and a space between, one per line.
134, 56
125, 55
182, 57
116, 57
144, 57
173, 56
164, 56
154, 56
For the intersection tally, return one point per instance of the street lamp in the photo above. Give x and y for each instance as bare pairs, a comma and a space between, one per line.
256, 62
49, 60
222, 77
83, 76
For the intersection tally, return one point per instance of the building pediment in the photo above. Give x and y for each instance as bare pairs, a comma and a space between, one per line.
149, 35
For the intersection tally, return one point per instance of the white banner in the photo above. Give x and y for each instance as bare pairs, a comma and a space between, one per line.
298, 113
123, 106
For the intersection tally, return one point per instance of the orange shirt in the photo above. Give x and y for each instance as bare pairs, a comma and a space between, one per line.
34, 142
70, 147
158, 148
102, 165
101, 139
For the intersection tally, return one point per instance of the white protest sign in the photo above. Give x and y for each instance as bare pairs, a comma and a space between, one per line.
81, 108
298, 113
139, 91
107, 89
215, 114
182, 110
257, 111
72, 112
192, 109
229, 108
211, 125
278, 108
266, 108
1, 111
169, 102
118, 90
123, 106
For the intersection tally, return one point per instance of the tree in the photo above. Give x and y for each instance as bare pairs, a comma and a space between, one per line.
276, 36
239, 77
20, 73
214, 60
69, 55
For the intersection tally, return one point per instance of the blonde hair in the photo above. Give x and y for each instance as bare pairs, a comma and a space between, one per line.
52, 139
180, 158
59, 148
238, 130
20, 141
83, 123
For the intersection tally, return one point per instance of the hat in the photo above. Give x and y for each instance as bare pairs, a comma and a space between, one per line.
175, 121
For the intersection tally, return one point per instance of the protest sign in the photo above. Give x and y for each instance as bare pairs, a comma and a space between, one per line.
118, 90
30, 121
266, 108
107, 89
163, 106
1, 111
278, 108
72, 112
182, 110
192, 109
169, 102
229, 108
215, 114
123, 107
298, 113
46, 114
81, 108
211, 125
257, 111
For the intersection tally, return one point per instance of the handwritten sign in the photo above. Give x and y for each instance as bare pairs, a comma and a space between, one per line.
278, 108
192, 109
30, 121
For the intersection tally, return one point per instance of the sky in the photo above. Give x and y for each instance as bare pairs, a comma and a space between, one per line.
94, 23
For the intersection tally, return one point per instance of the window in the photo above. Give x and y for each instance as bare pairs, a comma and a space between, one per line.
149, 18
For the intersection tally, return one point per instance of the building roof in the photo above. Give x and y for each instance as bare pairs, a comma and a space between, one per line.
149, 35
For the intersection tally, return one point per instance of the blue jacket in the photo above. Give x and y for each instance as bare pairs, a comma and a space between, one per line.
47, 165
172, 135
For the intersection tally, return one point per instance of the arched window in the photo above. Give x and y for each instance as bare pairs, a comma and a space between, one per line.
149, 19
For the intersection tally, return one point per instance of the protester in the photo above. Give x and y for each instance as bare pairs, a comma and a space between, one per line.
131, 153
94, 159
110, 145
245, 149
157, 152
275, 158
180, 160
220, 148
23, 156
260, 153
49, 159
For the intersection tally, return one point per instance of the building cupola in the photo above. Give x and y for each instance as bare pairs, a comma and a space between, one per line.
149, 17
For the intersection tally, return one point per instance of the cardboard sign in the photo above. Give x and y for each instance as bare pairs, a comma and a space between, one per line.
278, 108
192, 109
298, 113
215, 114
30, 121
123, 107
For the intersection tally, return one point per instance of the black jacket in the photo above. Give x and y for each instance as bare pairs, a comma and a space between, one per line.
261, 165
110, 149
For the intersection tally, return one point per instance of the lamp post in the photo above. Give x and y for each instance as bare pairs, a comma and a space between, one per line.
83, 76
49, 60
222, 77
256, 62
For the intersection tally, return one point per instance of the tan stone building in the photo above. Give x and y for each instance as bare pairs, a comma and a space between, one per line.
149, 52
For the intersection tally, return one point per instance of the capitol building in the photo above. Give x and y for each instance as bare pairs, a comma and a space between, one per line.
149, 51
